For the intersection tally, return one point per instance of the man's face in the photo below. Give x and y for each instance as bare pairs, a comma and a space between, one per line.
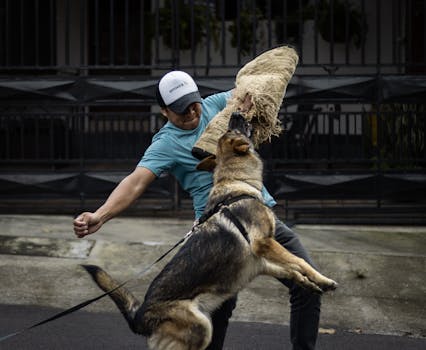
187, 121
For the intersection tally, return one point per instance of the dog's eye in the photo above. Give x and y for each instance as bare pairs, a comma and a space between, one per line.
248, 128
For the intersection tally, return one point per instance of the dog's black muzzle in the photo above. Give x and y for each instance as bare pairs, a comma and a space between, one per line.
238, 123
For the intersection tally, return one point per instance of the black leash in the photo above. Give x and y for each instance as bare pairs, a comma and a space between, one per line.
220, 206
90, 301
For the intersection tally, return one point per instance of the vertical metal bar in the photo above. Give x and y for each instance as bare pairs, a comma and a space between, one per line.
81, 178
157, 32
111, 33
408, 51
269, 20
51, 140
362, 147
82, 33
128, 130
378, 157
360, 123
347, 29
37, 136
7, 138
315, 32
399, 34
422, 116
176, 195
101, 120
331, 8
347, 132
142, 32
394, 28
96, 32
395, 151
6, 32
238, 32
300, 29
21, 60
67, 33
378, 37
113, 125
223, 31
175, 34
284, 24
208, 46
254, 26
192, 31
330, 116
126, 32
36, 31
363, 39
52, 27
316, 138
22, 136
423, 67
67, 138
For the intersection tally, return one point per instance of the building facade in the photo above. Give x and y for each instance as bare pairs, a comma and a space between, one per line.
77, 97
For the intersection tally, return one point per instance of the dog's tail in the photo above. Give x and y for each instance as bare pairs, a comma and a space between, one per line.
125, 301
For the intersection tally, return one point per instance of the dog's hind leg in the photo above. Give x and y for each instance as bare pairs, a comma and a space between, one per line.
125, 301
280, 263
186, 328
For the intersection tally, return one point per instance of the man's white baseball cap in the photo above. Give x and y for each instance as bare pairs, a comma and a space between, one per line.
177, 90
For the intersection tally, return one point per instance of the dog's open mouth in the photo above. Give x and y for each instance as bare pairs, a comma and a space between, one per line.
238, 123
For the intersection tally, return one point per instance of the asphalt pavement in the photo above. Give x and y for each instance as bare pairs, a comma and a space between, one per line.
108, 331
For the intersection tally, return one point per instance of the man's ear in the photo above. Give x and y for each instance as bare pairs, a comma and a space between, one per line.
163, 111
207, 164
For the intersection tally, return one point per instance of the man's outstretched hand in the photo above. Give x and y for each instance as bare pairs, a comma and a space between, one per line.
86, 224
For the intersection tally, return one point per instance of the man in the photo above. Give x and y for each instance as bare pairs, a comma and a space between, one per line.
170, 151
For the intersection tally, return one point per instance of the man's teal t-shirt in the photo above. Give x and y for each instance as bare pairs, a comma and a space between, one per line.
170, 151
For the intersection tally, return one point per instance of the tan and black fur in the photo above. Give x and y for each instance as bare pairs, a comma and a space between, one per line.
217, 261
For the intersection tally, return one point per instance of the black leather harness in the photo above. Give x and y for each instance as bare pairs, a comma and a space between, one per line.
223, 207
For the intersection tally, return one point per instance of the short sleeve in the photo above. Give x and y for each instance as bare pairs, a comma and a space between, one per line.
157, 157
215, 103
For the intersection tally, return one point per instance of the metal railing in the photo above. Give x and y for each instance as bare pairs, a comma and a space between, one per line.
392, 137
209, 37
331, 156
77, 80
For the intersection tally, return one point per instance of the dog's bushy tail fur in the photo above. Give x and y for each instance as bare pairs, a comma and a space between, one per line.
125, 301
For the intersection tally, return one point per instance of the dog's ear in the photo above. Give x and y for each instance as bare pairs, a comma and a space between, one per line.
207, 164
241, 147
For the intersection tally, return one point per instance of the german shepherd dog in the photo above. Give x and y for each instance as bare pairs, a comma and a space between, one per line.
233, 244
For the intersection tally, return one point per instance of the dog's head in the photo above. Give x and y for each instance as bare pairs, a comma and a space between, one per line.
235, 142
237, 139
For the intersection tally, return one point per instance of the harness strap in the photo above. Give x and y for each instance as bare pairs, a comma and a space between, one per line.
230, 215
225, 202
223, 207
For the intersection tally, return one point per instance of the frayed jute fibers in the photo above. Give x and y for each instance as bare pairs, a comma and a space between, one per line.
265, 80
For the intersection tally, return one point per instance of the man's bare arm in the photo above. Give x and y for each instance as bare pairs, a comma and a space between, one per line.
126, 192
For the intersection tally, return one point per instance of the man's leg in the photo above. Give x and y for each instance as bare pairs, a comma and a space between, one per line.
220, 320
305, 305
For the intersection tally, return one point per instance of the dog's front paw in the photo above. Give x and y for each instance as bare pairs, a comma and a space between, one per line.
305, 282
319, 286
329, 285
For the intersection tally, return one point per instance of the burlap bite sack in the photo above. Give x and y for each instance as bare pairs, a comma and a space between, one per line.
265, 79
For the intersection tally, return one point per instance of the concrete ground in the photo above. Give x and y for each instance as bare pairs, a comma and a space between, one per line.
381, 270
